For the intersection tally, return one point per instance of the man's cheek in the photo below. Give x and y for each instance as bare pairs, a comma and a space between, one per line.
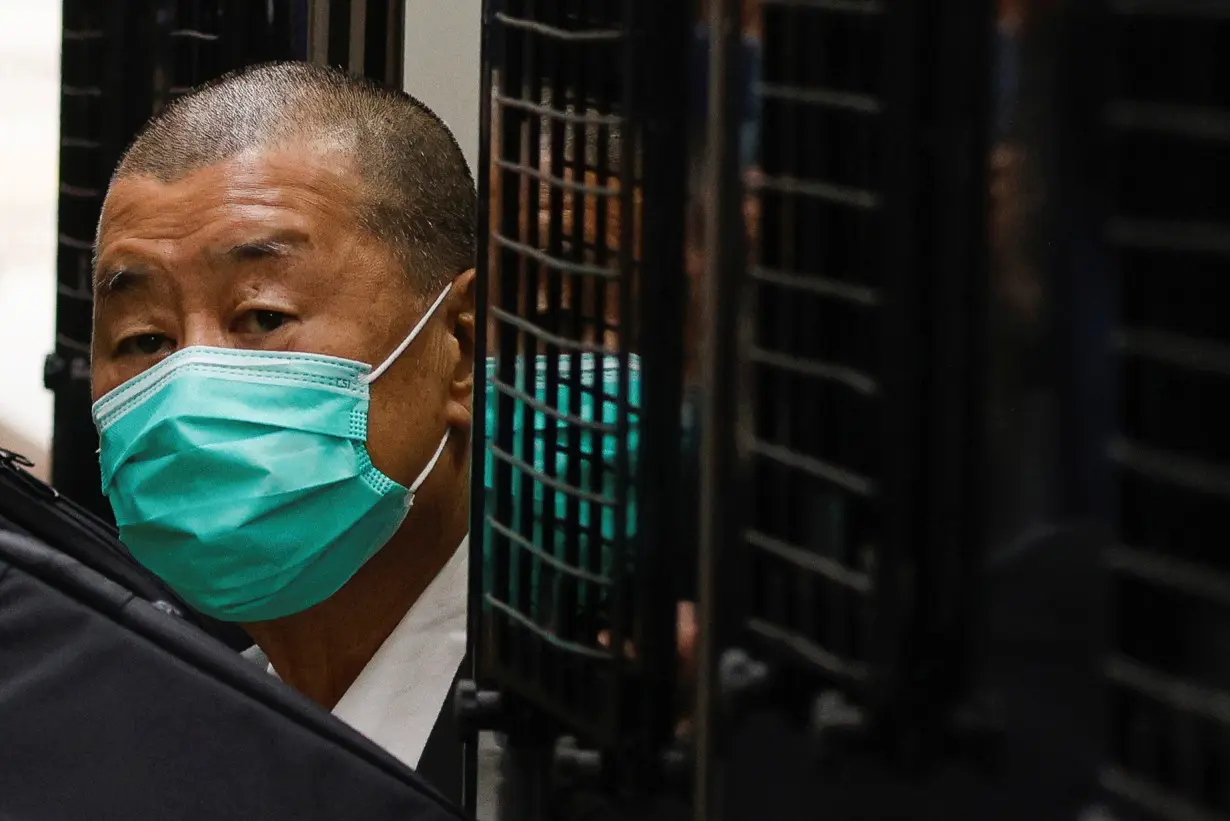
399, 430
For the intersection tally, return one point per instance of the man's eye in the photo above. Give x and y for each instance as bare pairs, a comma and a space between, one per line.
262, 322
144, 345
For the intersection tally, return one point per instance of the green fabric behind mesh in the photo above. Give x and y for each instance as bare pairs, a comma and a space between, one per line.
599, 388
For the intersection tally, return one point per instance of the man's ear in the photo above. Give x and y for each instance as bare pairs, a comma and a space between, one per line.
460, 315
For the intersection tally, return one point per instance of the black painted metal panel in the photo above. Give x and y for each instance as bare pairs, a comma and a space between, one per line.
1166, 124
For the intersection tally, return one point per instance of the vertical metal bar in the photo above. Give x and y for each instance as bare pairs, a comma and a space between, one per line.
721, 289
507, 638
358, 36
656, 328
318, 31
590, 87
295, 35
903, 295
394, 51
339, 34
523, 792
551, 586
563, 68
479, 435
579, 286
154, 32
243, 34
958, 276
630, 102
529, 274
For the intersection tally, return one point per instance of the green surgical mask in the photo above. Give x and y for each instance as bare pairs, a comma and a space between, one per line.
242, 478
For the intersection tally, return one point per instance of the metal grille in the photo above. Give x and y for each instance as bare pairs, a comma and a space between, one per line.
203, 40
861, 360
845, 421
120, 63
584, 274
99, 110
814, 362
1168, 128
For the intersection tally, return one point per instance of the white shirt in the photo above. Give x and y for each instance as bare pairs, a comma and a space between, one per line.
398, 696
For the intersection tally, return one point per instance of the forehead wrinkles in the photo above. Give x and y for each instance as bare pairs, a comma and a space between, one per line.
246, 185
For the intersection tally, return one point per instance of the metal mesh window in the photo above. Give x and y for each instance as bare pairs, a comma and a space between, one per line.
814, 359
569, 233
1168, 672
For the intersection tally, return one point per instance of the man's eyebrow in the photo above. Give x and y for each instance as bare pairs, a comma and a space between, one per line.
280, 244
117, 280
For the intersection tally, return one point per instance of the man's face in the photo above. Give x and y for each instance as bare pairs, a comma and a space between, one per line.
263, 252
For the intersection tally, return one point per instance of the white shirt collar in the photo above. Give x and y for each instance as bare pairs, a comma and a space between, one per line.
397, 697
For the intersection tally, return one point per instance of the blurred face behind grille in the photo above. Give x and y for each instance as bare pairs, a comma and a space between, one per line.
587, 308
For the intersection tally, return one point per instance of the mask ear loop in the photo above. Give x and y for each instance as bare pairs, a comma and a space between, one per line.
430, 465
405, 343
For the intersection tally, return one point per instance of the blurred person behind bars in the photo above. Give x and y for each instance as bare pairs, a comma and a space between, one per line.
598, 203
587, 306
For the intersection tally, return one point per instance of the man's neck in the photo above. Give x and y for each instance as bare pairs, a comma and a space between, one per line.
321, 651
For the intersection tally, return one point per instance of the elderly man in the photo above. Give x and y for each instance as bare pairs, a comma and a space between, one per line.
283, 366
283, 360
